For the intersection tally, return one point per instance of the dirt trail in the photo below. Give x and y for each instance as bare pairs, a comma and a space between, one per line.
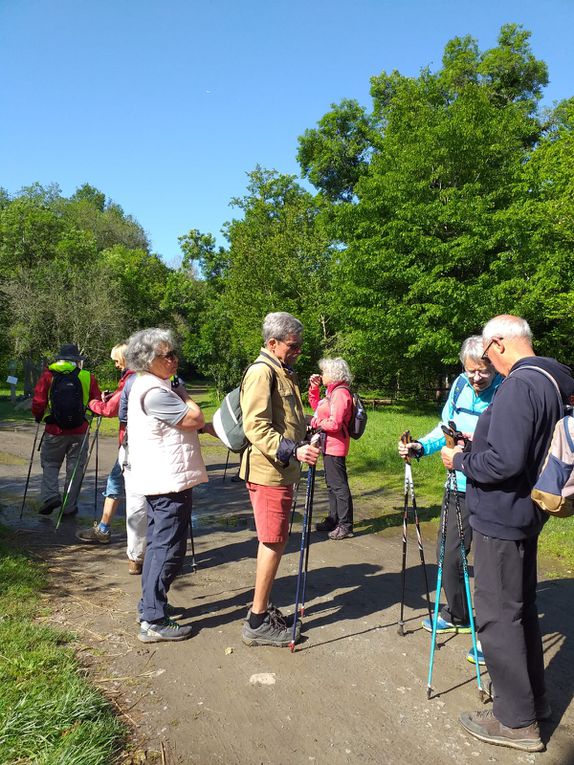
354, 691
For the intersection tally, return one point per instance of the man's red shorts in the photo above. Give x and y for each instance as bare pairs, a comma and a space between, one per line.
271, 508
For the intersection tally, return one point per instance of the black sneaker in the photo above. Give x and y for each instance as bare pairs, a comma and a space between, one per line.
49, 506
279, 616
272, 631
164, 631
327, 524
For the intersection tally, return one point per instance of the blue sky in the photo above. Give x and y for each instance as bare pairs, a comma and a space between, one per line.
165, 106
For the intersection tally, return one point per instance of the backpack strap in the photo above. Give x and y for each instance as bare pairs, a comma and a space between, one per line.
569, 438
546, 374
343, 387
458, 389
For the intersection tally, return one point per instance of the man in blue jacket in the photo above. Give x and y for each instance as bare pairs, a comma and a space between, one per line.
469, 396
507, 452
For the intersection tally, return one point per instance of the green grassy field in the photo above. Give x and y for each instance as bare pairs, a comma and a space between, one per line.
49, 714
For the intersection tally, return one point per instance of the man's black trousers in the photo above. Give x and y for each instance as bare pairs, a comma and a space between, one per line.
508, 628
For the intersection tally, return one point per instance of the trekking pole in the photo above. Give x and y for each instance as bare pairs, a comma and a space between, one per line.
483, 695
304, 548
97, 440
75, 470
226, 464
409, 490
442, 547
405, 438
293, 506
419, 537
30, 468
191, 539
453, 436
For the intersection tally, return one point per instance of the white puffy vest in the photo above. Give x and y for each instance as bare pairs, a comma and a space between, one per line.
163, 458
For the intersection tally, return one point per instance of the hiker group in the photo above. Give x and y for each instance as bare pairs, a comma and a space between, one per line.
494, 434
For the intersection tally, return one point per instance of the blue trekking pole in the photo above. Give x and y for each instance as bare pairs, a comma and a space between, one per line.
438, 585
293, 506
452, 438
304, 548
481, 691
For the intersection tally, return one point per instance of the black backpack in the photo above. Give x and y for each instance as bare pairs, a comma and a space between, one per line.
67, 400
358, 420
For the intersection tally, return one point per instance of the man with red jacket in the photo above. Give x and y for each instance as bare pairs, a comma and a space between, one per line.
63, 391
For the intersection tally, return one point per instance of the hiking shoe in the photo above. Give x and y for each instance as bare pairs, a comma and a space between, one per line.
484, 726
94, 535
69, 512
340, 533
272, 631
470, 655
169, 611
164, 631
442, 626
327, 524
134, 566
49, 506
280, 618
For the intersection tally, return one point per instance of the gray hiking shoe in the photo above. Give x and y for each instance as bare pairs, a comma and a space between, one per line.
94, 535
484, 726
280, 618
164, 631
169, 611
273, 631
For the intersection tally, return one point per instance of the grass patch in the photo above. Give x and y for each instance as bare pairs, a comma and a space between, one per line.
49, 714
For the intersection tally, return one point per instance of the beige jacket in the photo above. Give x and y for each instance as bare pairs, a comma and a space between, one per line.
272, 409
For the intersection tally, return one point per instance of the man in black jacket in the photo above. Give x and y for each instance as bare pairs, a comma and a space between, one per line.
508, 449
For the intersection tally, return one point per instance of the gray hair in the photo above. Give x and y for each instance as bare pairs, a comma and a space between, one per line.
143, 347
506, 326
337, 369
472, 348
281, 325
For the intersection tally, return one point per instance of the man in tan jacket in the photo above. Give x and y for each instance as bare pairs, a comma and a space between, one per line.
275, 424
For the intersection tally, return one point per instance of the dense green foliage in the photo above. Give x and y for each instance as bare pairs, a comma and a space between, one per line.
446, 202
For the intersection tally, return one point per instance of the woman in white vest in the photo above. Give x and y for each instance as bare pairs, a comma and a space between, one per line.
165, 464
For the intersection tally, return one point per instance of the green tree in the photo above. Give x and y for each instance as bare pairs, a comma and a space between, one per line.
435, 218
278, 261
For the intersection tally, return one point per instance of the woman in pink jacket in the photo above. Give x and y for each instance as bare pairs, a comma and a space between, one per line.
333, 415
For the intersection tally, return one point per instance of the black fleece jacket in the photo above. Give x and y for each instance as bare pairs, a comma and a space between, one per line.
509, 447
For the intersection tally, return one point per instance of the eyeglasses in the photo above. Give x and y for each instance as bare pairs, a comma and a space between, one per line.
478, 372
170, 355
484, 356
292, 346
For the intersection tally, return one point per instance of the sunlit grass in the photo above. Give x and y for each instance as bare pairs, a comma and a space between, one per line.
49, 714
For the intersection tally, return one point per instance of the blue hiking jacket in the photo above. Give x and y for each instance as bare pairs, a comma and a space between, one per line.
464, 409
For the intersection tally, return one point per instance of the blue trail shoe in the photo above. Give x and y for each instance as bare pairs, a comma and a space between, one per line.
442, 626
470, 655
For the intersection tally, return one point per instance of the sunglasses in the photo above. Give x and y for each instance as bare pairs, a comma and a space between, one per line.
170, 355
